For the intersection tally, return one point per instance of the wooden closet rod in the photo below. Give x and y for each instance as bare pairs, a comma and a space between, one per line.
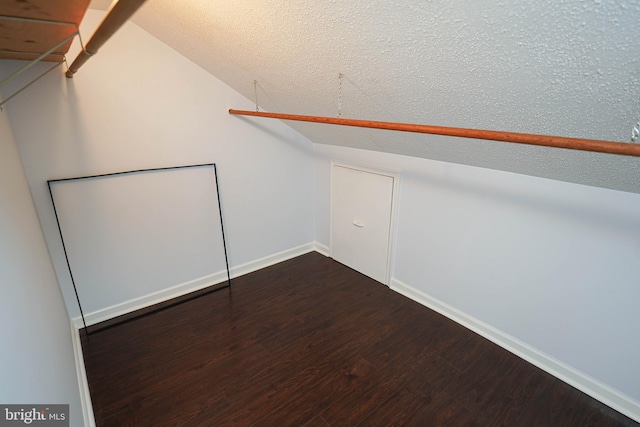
119, 12
610, 147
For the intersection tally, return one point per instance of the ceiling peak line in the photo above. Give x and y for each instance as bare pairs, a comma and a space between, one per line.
609, 147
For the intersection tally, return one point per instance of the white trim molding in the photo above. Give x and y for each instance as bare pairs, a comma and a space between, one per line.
191, 286
583, 382
83, 384
321, 249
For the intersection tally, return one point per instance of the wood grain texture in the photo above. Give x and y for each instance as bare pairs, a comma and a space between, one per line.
50, 10
27, 40
310, 342
610, 147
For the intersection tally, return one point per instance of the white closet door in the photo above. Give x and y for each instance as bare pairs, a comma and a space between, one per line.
361, 213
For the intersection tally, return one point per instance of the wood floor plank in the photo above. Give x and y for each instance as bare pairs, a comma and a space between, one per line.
443, 410
311, 342
398, 410
316, 422
311, 395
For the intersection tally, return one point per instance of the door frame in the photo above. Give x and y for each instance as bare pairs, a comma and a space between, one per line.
393, 174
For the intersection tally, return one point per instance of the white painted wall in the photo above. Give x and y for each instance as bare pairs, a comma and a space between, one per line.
109, 223
553, 264
139, 104
36, 361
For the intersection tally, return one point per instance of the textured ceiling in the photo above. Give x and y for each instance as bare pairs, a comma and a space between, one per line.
559, 67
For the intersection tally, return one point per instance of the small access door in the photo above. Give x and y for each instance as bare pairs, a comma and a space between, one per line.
362, 214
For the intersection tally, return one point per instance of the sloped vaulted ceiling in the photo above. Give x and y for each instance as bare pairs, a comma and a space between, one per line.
568, 68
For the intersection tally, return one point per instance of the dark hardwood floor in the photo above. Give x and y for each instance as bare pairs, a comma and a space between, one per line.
311, 342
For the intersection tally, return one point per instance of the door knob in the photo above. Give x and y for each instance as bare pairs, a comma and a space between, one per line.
357, 223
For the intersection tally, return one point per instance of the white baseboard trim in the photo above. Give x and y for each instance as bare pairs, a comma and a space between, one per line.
107, 313
270, 260
594, 388
181, 289
83, 384
321, 249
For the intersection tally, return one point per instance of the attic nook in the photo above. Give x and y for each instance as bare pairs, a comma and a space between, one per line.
533, 245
